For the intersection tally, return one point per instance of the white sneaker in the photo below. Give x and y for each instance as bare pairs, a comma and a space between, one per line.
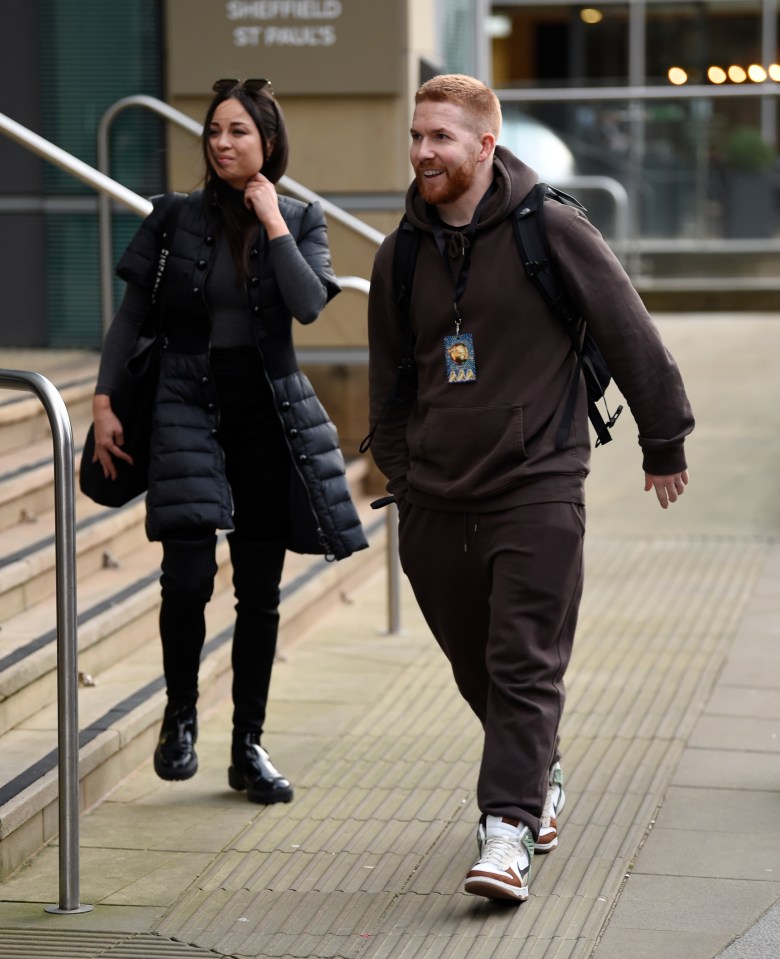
504, 867
553, 804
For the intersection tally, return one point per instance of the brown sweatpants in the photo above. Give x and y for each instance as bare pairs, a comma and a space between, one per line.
500, 592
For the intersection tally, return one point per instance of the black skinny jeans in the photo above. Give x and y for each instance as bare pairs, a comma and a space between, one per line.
257, 466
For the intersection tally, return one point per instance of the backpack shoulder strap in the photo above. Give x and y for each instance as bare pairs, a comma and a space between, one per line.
531, 237
407, 244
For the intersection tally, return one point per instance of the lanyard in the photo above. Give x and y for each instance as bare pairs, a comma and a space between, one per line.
437, 225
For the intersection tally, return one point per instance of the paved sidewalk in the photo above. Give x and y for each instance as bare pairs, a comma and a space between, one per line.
670, 840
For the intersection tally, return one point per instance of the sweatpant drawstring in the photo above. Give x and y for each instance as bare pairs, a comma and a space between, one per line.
466, 531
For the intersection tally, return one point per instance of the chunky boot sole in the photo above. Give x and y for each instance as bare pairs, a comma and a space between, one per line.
164, 771
259, 795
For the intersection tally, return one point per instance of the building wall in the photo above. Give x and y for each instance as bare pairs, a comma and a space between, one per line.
345, 137
347, 140
348, 121
62, 64
21, 234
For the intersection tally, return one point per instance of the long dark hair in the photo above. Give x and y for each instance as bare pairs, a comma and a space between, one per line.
267, 116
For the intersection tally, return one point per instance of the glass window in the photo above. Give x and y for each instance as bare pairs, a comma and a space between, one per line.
676, 157
559, 45
697, 36
566, 44
456, 19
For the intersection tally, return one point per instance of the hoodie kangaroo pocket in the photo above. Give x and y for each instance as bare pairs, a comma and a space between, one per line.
469, 452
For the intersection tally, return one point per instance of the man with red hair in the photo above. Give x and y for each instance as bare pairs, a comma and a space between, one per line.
491, 502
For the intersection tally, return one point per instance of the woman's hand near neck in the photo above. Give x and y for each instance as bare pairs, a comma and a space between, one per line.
261, 197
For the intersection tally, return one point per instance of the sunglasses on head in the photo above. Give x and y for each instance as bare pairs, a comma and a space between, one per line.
252, 86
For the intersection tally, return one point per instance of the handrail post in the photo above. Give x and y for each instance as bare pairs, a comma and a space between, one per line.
67, 644
393, 573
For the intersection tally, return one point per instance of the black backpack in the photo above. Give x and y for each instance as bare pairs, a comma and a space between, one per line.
531, 237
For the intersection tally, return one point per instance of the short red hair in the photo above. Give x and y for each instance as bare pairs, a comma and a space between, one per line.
478, 101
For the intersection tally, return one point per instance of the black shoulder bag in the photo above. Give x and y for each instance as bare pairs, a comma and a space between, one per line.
132, 402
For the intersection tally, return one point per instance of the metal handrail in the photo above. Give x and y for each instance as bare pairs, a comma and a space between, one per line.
180, 119
354, 283
78, 168
689, 91
67, 642
620, 243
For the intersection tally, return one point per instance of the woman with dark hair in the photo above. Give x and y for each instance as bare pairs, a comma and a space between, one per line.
239, 441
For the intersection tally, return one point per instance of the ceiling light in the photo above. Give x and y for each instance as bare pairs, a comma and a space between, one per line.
736, 74
716, 75
498, 27
591, 15
756, 73
677, 76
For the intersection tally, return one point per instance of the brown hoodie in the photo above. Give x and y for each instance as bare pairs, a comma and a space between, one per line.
490, 444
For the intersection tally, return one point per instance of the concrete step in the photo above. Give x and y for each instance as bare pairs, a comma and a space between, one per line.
121, 689
23, 418
29, 554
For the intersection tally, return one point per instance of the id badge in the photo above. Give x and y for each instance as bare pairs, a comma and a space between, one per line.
460, 364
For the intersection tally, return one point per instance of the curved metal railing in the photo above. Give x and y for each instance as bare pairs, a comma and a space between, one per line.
67, 639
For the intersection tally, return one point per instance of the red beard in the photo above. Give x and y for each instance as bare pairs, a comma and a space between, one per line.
449, 187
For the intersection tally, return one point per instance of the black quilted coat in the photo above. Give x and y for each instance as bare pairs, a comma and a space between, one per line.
187, 483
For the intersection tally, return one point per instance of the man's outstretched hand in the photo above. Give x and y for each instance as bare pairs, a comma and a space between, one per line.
667, 488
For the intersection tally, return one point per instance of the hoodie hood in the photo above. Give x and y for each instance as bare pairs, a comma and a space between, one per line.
512, 178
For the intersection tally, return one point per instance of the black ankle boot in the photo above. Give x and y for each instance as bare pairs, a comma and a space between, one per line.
252, 770
175, 757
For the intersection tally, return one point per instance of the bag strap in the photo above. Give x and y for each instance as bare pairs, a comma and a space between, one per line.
407, 244
169, 228
531, 237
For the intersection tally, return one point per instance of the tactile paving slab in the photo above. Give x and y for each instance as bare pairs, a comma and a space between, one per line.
369, 861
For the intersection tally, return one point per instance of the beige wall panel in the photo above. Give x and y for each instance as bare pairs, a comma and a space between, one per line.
346, 144
304, 46
423, 42
341, 324
339, 144
422, 29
